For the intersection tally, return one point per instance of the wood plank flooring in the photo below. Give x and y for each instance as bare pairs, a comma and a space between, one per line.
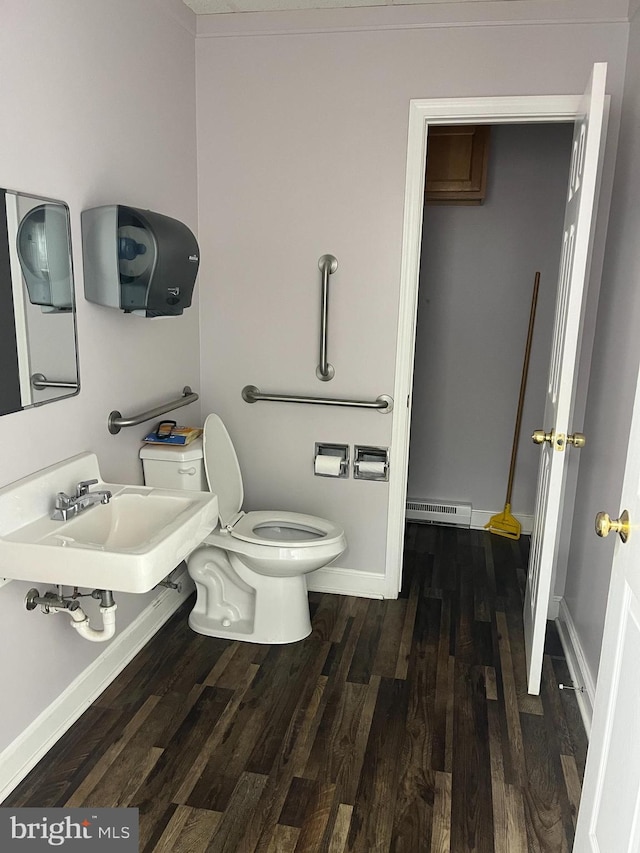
399, 726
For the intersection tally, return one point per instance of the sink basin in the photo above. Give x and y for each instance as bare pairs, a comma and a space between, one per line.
127, 545
127, 521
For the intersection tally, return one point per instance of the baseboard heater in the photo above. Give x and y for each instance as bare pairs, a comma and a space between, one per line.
438, 512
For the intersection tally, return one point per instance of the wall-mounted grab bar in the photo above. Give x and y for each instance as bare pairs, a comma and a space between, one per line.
116, 421
328, 264
40, 381
383, 403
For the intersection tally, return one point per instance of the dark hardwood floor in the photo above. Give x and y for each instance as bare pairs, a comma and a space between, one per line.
398, 726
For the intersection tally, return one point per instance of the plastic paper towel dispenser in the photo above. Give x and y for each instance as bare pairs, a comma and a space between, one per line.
43, 251
139, 261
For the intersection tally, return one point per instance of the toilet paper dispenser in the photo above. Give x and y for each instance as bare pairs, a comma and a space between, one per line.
331, 460
370, 463
139, 261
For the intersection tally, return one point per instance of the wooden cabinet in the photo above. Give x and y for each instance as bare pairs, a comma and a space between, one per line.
457, 164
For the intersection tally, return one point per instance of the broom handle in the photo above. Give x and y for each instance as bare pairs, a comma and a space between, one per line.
523, 387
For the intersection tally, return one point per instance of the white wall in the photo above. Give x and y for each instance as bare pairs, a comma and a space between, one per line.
98, 106
614, 368
302, 135
476, 280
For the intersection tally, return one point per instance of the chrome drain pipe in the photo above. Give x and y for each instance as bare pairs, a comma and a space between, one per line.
51, 602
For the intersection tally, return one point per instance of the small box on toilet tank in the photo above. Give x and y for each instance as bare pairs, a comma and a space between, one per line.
139, 261
174, 466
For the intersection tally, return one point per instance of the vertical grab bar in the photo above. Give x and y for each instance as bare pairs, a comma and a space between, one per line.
327, 264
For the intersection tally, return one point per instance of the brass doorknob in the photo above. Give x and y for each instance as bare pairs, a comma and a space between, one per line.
606, 525
577, 439
540, 436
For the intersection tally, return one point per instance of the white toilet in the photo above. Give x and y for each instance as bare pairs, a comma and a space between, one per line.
250, 571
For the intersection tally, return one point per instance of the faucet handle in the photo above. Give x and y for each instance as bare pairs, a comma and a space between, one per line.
83, 487
63, 501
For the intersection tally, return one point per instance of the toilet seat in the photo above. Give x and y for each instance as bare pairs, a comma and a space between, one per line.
285, 529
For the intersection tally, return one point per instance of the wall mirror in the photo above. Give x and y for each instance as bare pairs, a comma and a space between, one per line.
38, 351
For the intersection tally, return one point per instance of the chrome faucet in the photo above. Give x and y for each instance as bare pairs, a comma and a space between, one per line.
67, 506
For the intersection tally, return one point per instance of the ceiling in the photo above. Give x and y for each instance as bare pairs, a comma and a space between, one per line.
210, 7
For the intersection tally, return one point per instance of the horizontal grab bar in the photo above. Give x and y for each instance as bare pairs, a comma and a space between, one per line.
40, 381
383, 403
116, 421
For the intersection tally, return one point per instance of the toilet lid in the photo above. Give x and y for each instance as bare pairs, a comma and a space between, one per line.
222, 468
285, 529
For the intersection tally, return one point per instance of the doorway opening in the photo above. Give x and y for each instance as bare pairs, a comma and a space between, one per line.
477, 268
422, 115
571, 349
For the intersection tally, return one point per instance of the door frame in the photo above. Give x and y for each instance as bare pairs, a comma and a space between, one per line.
422, 113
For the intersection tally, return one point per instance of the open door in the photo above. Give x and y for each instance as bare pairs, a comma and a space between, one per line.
555, 439
609, 816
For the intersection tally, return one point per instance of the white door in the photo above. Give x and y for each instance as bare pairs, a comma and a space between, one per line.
555, 439
609, 817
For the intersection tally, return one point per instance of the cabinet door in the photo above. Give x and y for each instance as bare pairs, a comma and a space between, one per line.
457, 164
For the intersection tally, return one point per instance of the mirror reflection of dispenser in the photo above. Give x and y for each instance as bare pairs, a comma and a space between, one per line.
43, 251
139, 261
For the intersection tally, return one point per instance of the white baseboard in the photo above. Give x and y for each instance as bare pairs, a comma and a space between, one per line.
37, 739
347, 582
480, 517
577, 664
554, 607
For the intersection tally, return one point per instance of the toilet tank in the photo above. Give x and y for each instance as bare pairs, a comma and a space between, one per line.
174, 467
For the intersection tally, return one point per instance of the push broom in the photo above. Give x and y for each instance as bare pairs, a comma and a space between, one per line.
505, 524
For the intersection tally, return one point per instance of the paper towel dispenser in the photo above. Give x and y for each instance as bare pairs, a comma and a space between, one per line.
142, 262
43, 251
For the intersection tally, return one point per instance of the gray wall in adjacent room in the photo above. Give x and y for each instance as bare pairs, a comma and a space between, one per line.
476, 282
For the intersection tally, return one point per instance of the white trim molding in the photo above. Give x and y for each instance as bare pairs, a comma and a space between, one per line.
21, 756
347, 582
553, 611
212, 22
577, 664
422, 113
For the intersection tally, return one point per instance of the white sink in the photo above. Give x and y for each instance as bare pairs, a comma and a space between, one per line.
127, 545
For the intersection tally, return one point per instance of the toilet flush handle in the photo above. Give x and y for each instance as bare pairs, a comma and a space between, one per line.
189, 471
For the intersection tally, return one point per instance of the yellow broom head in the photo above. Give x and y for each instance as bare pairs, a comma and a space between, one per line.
504, 524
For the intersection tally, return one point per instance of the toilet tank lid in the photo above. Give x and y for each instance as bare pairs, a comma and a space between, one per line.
173, 452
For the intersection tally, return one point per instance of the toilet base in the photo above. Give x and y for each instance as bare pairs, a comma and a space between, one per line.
236, 603
214, 628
